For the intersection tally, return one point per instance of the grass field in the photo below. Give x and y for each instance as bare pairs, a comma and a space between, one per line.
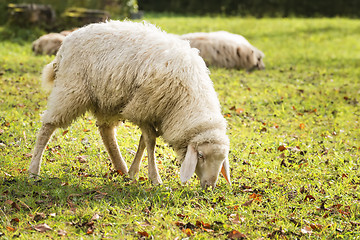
295, 148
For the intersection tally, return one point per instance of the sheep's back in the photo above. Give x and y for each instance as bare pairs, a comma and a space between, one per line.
134, 69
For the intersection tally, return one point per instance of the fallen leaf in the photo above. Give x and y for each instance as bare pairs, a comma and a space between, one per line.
188, 232
234, 234
179, 223
182, 216
247, 203
89, 231
95, 217
42, 227
256, 197
13, 204
235, 208
61, 232
239, 110
39, 216
81, 159
10, 229
309, 198
281, 148
235, 219
316, 227
306, 230
144, 234
14, 221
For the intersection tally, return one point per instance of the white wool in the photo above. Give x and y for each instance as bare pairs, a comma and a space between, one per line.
136, 72
224, 49
48, 44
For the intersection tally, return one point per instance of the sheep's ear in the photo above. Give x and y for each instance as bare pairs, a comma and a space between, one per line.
225, 170
188, 166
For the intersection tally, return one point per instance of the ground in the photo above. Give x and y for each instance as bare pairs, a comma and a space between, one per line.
295, 147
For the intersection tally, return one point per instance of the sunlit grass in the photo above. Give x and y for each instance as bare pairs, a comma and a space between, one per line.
295, 147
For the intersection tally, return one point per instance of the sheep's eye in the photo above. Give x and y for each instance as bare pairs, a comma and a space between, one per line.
200, 156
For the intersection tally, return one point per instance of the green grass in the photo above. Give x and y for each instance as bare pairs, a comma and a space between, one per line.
307, 100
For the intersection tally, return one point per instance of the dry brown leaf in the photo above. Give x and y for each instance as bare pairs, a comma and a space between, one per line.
144, 234
13, 204
188, 232
42, 227
235, 219
39, 216
309, 198
95, 217
247, 203
239, 110
10, 229
256, 197
306, 230
61, 232
234, 234
281, 148
89, 231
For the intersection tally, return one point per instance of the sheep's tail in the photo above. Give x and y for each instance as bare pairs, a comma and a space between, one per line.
48, 76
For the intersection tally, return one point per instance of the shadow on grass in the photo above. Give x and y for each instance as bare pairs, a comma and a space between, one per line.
79, 192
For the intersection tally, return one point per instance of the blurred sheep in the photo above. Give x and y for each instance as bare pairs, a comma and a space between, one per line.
48, 44
224, 49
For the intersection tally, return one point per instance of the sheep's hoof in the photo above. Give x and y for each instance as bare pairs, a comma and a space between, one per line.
156, 181
33, 176
133, 173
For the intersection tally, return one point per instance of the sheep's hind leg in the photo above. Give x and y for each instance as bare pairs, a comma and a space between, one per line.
149, 134
44, 135
135, 166
108, 136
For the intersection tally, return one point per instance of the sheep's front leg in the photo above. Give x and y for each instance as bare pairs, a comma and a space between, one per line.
135, 166
44, 135
150, 141
108, 136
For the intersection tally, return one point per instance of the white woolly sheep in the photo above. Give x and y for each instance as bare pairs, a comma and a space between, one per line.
224, 49
134, 71
48, 44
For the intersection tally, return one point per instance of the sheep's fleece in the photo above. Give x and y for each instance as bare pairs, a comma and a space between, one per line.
136, 72
224, 49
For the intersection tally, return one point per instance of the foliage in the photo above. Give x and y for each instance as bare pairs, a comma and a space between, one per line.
259, 8
295, 147
118, 8
19, 34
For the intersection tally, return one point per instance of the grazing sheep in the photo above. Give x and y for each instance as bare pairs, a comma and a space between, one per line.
134, 71
48, 44
224, 49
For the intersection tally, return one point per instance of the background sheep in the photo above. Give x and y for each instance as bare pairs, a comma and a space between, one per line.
48, 44
224, 49
134, 71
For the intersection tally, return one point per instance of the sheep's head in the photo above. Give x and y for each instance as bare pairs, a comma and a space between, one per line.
250, 58
207, 161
